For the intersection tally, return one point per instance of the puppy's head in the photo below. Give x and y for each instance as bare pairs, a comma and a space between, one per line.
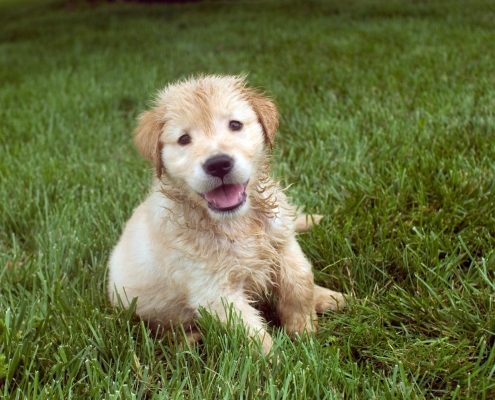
209, 137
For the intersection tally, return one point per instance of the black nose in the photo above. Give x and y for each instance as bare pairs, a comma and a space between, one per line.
218, 165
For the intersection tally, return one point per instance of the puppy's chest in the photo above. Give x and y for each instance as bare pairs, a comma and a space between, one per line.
255, 251
247, 256
251, 261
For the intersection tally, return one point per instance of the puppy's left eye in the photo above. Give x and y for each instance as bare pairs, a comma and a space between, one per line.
235, 125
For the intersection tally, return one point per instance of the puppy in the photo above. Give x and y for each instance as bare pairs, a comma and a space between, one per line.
215, 230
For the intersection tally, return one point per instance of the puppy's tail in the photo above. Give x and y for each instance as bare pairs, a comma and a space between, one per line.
304, 222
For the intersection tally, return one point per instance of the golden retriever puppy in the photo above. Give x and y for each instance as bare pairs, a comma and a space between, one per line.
215, 230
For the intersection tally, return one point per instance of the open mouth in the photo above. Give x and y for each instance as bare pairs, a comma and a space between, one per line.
227, 197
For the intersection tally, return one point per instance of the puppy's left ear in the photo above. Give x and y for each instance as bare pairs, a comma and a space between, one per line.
147, 137
267, 113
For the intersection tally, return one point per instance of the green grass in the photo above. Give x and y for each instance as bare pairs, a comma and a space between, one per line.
388, 128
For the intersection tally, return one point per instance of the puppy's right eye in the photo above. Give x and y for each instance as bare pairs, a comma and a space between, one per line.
184, 139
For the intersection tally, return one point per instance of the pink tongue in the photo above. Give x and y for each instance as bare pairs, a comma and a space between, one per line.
225, 195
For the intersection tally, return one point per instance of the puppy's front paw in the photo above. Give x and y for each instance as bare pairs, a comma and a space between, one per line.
266, 342
326, 299
297, 324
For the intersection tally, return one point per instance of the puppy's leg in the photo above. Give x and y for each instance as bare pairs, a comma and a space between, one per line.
193, 337
295, 290
250, 316
326, 299
305, 222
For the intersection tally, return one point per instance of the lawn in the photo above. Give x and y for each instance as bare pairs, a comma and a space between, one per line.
387, 128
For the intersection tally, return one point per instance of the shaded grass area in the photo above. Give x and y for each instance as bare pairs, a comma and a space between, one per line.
388, 128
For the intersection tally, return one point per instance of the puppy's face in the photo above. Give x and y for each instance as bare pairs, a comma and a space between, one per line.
208, 136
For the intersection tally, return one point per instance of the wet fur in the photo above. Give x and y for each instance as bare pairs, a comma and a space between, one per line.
174, 256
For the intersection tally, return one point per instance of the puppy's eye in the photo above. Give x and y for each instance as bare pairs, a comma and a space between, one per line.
235, 125
184, 139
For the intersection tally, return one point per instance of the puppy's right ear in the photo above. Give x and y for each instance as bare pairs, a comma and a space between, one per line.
147, 137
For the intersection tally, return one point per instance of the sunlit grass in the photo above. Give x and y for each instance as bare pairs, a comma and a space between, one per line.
388, 128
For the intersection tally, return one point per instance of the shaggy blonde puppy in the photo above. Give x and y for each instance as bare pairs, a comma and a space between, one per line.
215, 229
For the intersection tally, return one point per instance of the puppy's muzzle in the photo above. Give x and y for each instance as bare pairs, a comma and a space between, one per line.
219, 165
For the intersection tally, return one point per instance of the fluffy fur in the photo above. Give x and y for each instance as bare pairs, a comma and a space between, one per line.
179, 253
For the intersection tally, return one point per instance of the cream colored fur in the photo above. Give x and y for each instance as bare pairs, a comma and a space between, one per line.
177, 255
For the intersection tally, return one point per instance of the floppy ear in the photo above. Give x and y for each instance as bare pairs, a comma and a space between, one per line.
267, 113
147, 137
